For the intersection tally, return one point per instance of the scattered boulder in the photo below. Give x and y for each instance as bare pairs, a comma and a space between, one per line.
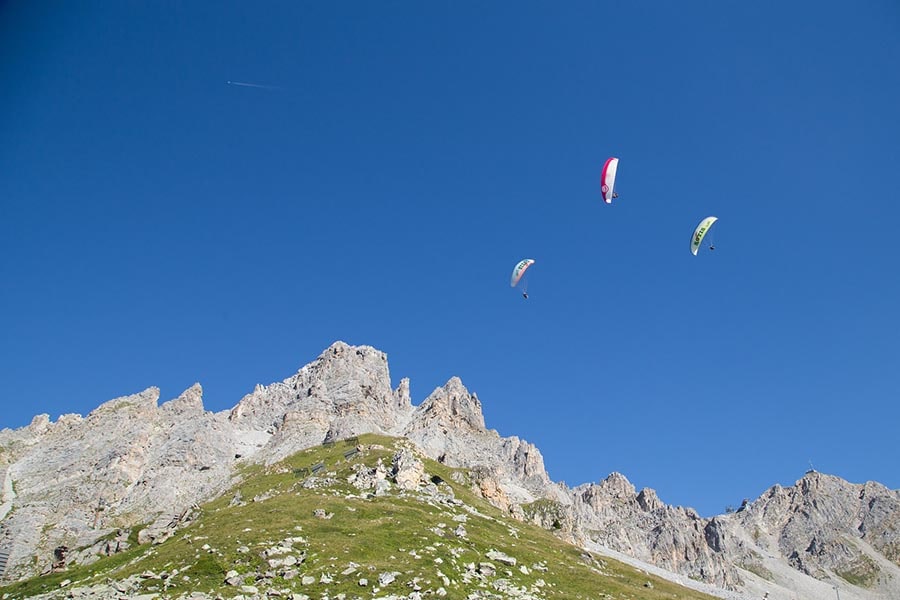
407, 470
501, 558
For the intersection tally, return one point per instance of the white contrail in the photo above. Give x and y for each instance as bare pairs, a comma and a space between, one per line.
253, 85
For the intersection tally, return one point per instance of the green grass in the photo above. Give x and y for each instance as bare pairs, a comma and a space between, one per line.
545, 511
862, 572
757, 568
401, 532
892, 553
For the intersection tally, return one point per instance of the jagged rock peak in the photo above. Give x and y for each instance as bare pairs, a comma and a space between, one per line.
346, 391
649, 501
340, 350
401, 394
824, 524
453, 406
39, 423
618, 486
816, 482
139, 403
816, 492
189, 402
341, 376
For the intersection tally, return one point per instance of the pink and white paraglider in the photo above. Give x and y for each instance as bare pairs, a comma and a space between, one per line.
608, 179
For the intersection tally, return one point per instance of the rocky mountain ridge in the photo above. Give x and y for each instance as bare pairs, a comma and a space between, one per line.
73, 482
366, 517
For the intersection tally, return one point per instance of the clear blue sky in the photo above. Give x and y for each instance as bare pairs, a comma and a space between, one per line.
160, 227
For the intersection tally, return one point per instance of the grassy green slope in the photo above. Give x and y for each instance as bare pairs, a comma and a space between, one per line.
268, 532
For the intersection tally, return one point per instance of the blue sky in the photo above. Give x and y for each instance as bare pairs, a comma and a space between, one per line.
160, 227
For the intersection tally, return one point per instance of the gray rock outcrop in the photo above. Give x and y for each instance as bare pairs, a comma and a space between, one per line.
612, 513
344, 392
72, 482
134, 463
449, 427
823, 527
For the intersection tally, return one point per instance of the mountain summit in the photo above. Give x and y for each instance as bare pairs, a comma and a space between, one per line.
76, 482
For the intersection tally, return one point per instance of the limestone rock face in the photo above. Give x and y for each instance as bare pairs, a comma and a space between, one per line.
132, 460
87, 477
449, 427
344, 392
186, 406
613, 514
824, 527
648, 500
401, 396
407, 470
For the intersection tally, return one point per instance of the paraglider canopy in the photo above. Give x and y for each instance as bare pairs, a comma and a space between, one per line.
700, 233
608, 179
519, 271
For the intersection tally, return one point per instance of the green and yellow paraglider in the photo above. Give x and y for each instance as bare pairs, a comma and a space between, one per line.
700, 233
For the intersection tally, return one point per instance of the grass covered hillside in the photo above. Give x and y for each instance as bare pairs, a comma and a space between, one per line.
360, 520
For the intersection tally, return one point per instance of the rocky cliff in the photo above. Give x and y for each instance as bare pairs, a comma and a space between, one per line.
823, 527
378, 519
74, 482
613, 514
344, 392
